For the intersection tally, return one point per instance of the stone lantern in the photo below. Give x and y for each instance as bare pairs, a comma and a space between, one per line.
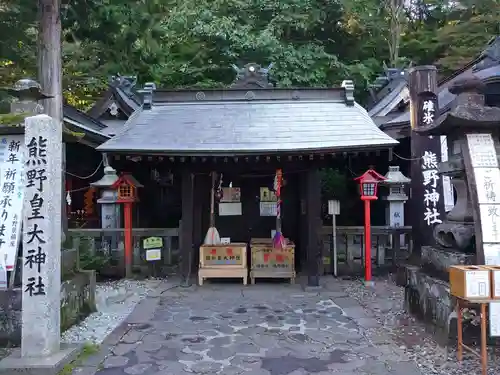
395, 211
110, 209
29, 94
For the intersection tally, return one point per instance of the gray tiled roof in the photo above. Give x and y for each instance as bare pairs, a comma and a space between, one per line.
232, 127
445, 98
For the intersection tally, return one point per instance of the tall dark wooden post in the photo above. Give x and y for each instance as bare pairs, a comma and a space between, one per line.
427, 202
313, 213
201, 188
187, 183
50, 75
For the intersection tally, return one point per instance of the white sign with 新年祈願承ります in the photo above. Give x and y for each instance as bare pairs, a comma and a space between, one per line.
11, 197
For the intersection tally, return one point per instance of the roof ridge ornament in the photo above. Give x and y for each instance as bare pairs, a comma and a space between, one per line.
348, 86
252, 75
147, 95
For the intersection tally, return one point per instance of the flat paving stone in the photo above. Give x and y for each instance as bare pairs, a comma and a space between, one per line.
115, 361
267, 330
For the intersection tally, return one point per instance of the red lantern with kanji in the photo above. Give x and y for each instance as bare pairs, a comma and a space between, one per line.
368, 186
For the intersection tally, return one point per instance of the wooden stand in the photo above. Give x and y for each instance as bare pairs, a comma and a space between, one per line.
268, 262
483, 354
223, 261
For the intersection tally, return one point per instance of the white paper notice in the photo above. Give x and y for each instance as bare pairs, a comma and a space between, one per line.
490, 222
482, 150
491, 254
268, 209
496, 283
477, 284
494, 315
229, 209
11, 198
448, 194
487, 181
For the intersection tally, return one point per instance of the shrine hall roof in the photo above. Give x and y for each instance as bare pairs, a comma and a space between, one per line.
229, 122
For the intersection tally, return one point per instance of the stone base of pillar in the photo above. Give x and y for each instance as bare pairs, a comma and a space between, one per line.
49, 365
313, 281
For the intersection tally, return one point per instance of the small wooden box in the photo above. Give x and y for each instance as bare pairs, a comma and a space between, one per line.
268, 262
223, 261
233, 255
494, 281
470, 282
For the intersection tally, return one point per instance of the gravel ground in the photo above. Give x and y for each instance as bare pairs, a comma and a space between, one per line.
115, 300
386, 300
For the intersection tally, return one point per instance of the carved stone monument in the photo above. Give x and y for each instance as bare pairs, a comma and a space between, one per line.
41, 327
470, 232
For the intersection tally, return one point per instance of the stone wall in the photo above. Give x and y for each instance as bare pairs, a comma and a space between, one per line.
429, 298
77, 298
77, 301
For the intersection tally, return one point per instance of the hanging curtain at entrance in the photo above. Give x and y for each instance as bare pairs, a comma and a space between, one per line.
279, 241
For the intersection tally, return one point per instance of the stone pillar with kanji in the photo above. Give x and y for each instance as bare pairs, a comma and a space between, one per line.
427, 203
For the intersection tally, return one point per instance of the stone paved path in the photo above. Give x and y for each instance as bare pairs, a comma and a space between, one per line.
263, 329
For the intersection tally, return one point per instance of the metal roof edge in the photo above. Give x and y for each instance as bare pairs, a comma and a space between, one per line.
193, 153
72, 112
85, 128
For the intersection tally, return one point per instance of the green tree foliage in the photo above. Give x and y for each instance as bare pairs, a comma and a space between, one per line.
192, 43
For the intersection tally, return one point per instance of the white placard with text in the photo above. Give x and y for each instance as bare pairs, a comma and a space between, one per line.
490, 222
482, 150
491, 254
477, 284
494, 315
11, 197
487, 183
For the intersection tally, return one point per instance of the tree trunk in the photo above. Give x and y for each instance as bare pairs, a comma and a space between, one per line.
50, 73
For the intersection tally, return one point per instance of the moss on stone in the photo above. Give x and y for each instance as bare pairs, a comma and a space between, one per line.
13, 119
88, 350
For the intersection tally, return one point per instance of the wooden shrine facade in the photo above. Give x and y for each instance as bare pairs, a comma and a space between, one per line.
245, 133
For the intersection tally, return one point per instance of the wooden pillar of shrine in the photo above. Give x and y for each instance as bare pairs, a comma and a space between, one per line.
201, 208
187, 225
313, 217
427, 202
303, 222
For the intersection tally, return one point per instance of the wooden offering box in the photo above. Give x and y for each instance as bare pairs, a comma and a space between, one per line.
223, 261
470, 282
494, 281
268, 262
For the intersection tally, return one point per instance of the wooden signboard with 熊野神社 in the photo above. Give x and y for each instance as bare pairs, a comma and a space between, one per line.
223, 261
270, 262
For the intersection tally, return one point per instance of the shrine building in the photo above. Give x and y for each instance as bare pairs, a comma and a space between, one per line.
244, 133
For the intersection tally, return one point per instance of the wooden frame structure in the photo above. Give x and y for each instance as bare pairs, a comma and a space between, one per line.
483, 353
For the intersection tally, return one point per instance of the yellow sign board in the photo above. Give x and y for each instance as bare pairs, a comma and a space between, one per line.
152, 243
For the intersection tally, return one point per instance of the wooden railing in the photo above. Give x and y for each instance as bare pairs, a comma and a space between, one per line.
388, 244
110, 242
